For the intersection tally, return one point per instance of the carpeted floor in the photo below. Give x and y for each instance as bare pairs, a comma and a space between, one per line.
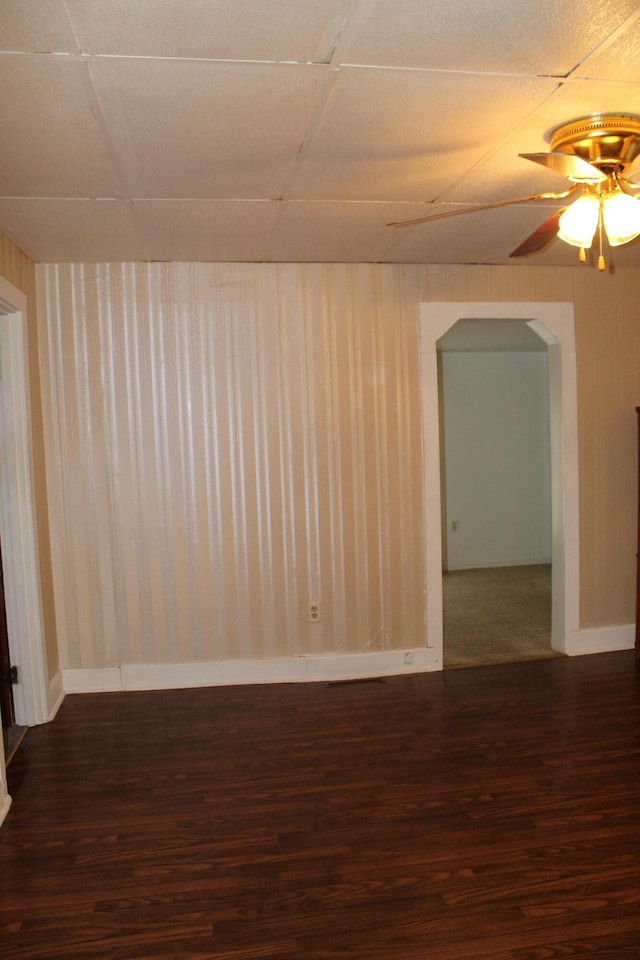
497, 615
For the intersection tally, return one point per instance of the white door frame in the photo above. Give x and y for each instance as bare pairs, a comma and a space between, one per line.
554, 323
17, 515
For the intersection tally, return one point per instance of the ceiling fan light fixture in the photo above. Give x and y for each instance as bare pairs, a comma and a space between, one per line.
579, 222
621, 216
600, 156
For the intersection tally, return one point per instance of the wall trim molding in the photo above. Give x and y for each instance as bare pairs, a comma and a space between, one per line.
601, 640
303, 669
18, 530
554, 324
23, 601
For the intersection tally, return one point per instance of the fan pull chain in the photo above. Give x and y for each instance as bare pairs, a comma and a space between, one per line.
600, 258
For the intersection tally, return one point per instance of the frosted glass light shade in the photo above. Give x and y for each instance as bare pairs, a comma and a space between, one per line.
578, 223
621, 216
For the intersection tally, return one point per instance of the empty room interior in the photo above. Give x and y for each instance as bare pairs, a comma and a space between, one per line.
319, 440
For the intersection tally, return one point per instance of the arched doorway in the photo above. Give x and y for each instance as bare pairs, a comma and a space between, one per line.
553, 322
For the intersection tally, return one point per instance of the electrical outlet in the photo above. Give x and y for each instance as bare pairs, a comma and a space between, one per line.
314, 612
454, 526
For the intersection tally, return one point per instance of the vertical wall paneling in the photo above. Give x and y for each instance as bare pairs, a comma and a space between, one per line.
229, 443
226, 443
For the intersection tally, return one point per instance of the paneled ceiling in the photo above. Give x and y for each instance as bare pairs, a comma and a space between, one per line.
296, 130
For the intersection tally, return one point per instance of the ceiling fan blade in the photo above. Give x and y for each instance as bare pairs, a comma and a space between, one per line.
541, 237
574, 168
632, 175
482, 206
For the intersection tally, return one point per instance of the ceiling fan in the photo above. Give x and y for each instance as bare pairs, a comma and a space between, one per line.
597, 155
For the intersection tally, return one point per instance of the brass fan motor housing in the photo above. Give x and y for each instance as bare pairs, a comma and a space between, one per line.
609, 141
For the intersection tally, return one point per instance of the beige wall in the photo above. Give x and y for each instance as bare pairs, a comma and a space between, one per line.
226, 443
607, 316
19, 270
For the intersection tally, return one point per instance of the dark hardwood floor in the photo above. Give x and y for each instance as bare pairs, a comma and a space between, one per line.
481, 814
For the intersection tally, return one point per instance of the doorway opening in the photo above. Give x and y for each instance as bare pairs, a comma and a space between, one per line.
496, 496
554, 323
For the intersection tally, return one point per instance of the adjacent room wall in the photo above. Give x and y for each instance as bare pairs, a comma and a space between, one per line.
496, 458
226, 443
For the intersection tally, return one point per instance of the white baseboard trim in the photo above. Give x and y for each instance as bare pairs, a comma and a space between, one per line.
600, 640
303, 669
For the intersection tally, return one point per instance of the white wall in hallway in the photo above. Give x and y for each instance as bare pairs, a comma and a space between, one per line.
496, 458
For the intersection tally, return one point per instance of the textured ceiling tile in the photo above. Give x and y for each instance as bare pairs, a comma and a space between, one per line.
343, 232
31, 26
619, 60
202, 230
502, 173
206, 130
543, 37
298, 30
407, 135
118, 121
52, 144
60, 231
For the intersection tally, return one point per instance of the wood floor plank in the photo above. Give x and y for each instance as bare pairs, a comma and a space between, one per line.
482, 814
